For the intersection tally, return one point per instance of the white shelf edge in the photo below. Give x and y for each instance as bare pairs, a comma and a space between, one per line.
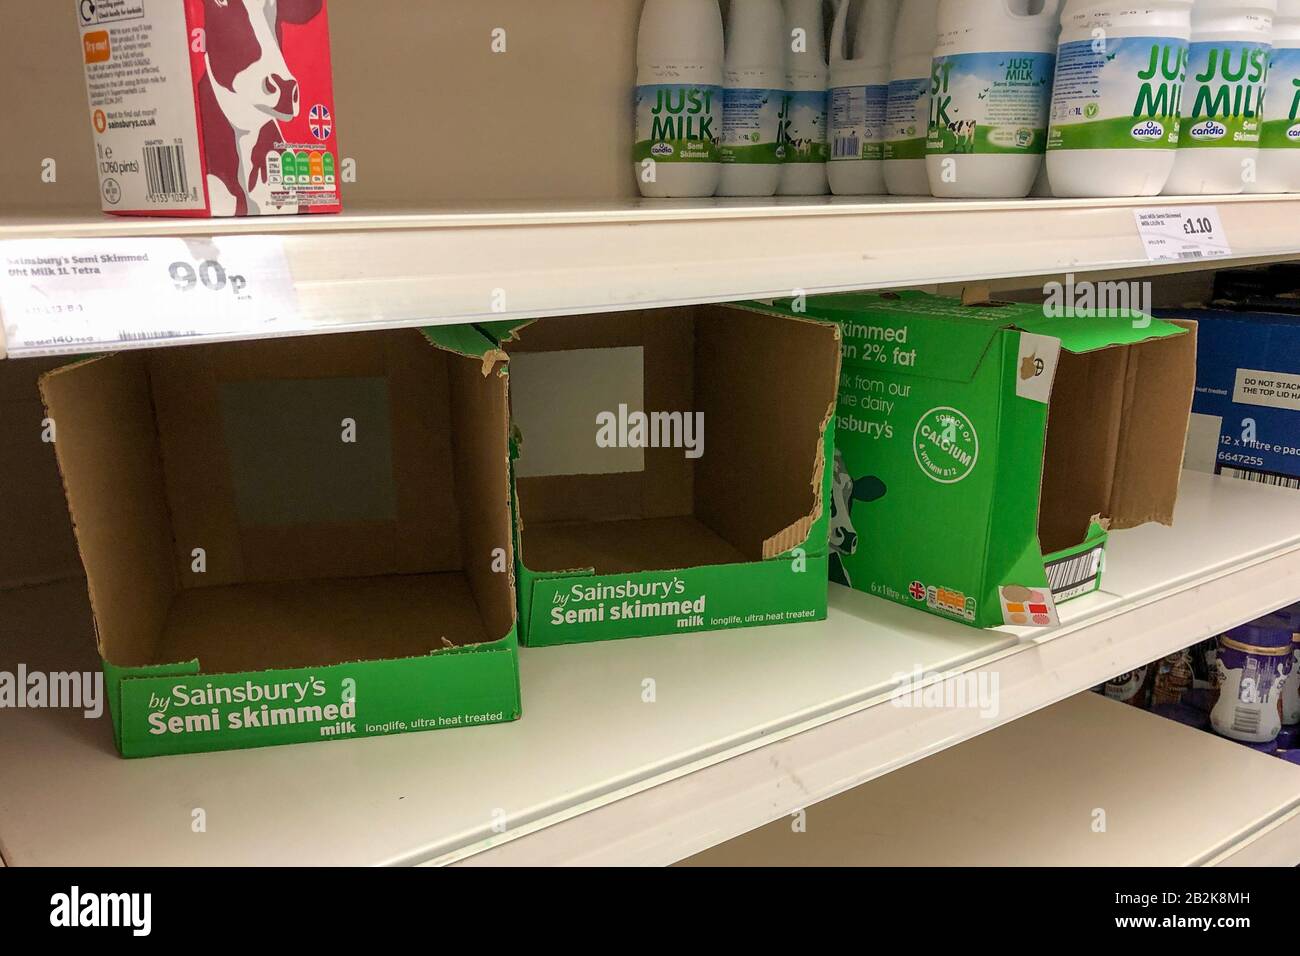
1274, 842
1177, 799
370, 271
36, 223
668, 819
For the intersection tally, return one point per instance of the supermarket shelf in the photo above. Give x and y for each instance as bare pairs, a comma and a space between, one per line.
747, 725
1029, 793
385, 269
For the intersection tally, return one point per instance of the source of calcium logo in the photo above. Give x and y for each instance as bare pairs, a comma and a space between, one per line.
1208, 129
77, 909
946, 445
1149, 129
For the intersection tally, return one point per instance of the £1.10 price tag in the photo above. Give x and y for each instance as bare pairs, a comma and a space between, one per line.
64, 296
1180, 233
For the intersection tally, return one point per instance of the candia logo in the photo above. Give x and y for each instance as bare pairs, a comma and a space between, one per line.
661, 149
1147, 130
1208, 130
1293, 134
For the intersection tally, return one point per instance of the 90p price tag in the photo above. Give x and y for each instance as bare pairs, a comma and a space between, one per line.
1182, 233
60, 296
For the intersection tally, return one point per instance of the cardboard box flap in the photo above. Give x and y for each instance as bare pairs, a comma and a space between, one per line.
506, 330
110, 458
1160, 386
1079, 334
754, 420
482, 340
1115, 435
39, 544
467, 340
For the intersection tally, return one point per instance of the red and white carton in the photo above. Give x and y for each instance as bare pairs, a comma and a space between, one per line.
211, 107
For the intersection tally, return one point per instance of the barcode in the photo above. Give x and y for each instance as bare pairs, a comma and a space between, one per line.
1069, 574
124, 336
847, 146
1245, 719
1263, 477
164, 170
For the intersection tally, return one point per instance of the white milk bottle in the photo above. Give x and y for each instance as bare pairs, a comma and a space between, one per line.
1253, 663
1120, 70
990, 89
1279, 134
679, 98
1291, 687
908, 109
1042, 187
859, 92
1227, 72
754, 77
804, 111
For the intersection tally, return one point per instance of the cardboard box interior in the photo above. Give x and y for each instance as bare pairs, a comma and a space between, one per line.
347, 492
1116, 426
38, 544
765, 387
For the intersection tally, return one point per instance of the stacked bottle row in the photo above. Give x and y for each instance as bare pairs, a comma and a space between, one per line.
968, 98
1243, 685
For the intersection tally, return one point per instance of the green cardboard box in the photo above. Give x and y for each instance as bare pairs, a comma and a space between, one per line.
983, 452
671, 469
292, 540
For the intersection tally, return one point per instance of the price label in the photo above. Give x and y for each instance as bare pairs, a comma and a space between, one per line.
61, 296
1174, 233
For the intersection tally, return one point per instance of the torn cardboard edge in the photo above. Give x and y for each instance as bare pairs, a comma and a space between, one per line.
1082, 337
489, 342
753, 584
1144, 365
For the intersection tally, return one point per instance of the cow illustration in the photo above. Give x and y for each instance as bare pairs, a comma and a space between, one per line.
247, 91
963, 132
844, 491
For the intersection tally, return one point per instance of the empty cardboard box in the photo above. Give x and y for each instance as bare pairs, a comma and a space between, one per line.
671, 470
292, 540
983, 452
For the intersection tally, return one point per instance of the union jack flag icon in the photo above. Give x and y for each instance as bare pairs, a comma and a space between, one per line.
322, 124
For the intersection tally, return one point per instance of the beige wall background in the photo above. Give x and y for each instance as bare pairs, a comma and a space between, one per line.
428, 112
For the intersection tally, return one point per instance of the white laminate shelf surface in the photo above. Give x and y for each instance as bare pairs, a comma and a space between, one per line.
747, 725
1086, 782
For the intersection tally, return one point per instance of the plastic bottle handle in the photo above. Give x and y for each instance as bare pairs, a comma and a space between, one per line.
1051, 9
839, 32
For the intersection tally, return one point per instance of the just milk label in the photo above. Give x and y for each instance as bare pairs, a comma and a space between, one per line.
1120, 93
989, 103
802, 134
857, 116
1281, 126
679, 122
1224, 94
751, 118
906, 118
